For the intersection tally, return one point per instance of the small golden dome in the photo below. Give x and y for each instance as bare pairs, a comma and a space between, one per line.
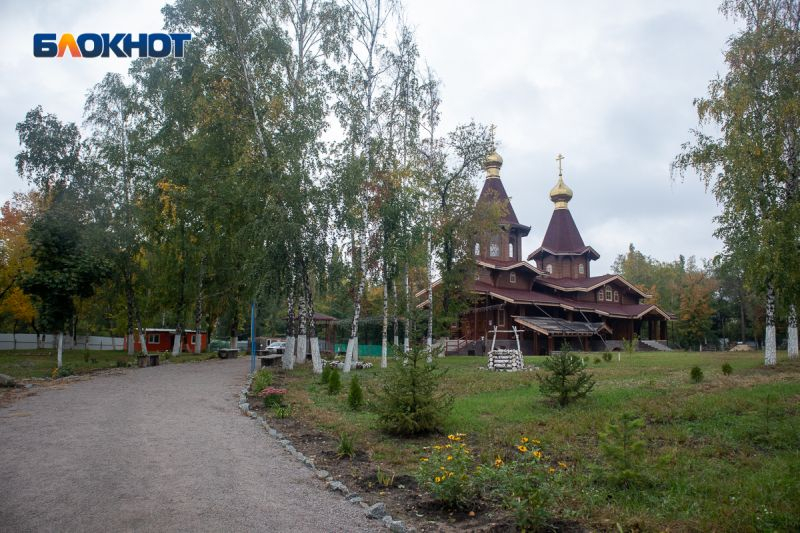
493, 164
561, 194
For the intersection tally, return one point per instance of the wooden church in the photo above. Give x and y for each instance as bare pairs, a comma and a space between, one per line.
555, 298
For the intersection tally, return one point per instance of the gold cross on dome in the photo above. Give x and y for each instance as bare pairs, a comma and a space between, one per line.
559, 158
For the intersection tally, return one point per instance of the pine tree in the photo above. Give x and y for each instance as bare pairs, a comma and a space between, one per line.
355, 397
567, 380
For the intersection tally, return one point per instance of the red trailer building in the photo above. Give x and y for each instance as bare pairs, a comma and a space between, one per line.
161, 340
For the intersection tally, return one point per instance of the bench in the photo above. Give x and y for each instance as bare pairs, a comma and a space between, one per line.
225, 353
272, 359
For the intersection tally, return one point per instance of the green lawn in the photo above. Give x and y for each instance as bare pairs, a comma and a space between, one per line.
23, 364
723, 454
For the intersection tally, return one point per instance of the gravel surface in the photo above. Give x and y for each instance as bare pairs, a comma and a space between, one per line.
156, 449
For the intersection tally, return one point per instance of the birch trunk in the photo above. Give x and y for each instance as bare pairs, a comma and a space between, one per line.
60, 348
316, 358
385, 330
129, 309
395, 322
352, 345
770, 348
407, 332
198, 309
792, 331
138, 319
288, 352
429, 340
176, 343
131, 339
301, 344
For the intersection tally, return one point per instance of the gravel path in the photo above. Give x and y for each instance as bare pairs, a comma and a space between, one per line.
156, 449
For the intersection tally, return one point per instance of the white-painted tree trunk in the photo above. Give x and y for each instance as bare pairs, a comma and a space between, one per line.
316, 357
352, 347
60, 348
131, 343
288, 354
385, 330
301, 349
234, 342
142, 342
792, 331
176, 343
770, 348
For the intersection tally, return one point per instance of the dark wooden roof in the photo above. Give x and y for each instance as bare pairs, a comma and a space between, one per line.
588, 284
493, 191
523, 296
563, 238
559, 327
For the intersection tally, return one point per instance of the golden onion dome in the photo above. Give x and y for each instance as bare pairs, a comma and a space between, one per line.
560, 194
493, 164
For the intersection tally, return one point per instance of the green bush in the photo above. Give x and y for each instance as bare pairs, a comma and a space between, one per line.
623, 451
62, 372
261, 380
334, 382
727, 369
410, 402
326, 374
607, 356
567, 380
696, 374
282, 411
347, 446
355, 397
597, 360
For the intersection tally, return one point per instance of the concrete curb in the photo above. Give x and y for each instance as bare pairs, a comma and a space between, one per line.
377, 511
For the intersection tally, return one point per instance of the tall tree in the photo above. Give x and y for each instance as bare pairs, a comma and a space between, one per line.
753, 166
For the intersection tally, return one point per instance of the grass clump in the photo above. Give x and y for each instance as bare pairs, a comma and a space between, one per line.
262, 380
696, 374
607, 356
355, 396
347, 446
410, 402
727, 369
334, 382
567, 380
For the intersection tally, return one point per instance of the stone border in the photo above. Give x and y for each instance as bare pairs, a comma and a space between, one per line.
376, 511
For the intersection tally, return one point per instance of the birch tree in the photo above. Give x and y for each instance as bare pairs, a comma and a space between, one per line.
753, 165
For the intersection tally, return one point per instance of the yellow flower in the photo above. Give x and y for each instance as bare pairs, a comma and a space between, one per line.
551, 470
498, 462
424, 459
437, 479
441, 468
522, 448
537, 454
449, 457
562, 464
536, 441
524, 440
437, 447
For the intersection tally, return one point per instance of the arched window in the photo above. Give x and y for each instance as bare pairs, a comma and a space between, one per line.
549, 269
512, 277
511, 250
494, 247
609, 296
581, 270
616, 296
477, 248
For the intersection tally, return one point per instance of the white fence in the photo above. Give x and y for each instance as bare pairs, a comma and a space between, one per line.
28, 341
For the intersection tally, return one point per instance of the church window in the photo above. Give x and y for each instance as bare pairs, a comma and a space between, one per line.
580, 268
477, 248
549, 269
616, 296
512, 277
494, 248
609, 295
600, 295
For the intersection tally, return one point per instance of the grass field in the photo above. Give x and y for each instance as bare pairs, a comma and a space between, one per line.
722, 455
23, 364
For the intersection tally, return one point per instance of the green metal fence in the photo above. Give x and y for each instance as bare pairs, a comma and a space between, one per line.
369, 350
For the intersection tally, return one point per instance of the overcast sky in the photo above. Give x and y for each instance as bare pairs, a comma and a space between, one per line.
608, 84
